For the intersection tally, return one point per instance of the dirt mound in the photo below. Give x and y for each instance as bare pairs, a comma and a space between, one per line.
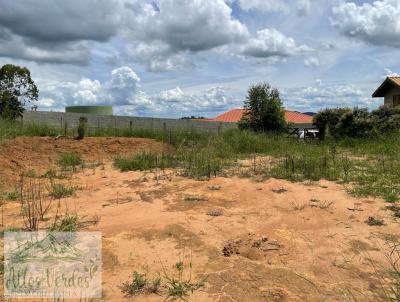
40, 153
251, 246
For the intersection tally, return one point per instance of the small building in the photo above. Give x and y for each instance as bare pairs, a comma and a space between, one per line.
390, 90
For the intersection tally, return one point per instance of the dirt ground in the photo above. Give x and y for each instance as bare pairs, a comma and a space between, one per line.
269, 240
39, 153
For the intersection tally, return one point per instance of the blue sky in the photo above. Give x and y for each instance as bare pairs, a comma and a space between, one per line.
173, 58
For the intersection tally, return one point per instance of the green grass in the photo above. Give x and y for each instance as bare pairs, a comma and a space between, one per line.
143, 161
9, 130
368, 167
69, 160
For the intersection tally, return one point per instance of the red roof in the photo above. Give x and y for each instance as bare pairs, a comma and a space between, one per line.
235, 115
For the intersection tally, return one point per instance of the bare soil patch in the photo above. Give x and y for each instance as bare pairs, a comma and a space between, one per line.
279, 250
40, 153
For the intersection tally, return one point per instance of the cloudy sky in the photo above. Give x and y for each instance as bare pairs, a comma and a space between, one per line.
172, 58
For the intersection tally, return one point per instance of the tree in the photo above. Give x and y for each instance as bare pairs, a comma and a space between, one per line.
17, 89
263, 110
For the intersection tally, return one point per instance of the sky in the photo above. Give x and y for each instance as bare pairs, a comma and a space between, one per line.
174, 58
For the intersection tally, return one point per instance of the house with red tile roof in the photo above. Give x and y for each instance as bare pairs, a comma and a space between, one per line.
390, 90
235, 115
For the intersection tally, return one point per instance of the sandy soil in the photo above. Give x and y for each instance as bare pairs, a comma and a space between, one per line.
268, 240
40, 153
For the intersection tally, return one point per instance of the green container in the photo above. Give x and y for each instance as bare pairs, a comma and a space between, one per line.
98, 110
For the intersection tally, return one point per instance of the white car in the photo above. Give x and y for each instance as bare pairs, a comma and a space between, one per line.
308, 133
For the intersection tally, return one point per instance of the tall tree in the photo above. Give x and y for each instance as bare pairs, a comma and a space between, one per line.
264, 111
17, 89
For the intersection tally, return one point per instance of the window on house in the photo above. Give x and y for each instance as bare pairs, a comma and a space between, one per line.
396, 100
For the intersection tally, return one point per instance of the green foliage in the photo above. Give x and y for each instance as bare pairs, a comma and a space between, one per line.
326, 120
66, 224
12, 195
59, 191
140, 284
69, 160
82, 127
264, 111
357, 123
180, 288
16, 90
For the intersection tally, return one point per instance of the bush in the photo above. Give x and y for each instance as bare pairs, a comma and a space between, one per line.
357, 123
326, 120
59, 191
67, 224
82, 127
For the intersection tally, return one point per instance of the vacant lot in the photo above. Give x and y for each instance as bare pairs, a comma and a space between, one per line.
254, 238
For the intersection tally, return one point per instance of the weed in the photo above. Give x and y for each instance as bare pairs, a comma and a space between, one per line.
195, 198
325, 205
214, 188
180, 288
69, 160
279, 190
53, 174
395, 209
298, 206
140, 284
13, 195
66, 224
59, 191
215, 213
143, 161
372, 221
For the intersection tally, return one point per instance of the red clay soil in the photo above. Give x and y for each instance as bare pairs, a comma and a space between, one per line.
39, 153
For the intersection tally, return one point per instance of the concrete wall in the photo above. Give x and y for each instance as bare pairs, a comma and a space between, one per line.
389, 96
70, 121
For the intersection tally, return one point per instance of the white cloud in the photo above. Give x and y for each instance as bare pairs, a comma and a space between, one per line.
166, 30
264, 5
322, 95
123, 91
311, 62
376, 23
272, 43
390, 73
301, 7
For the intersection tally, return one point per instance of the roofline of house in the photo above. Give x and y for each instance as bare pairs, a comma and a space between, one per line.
377, 93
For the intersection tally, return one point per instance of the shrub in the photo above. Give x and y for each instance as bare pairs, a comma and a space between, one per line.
59, 191
66, 224
326, 120
357, 123
82, 127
